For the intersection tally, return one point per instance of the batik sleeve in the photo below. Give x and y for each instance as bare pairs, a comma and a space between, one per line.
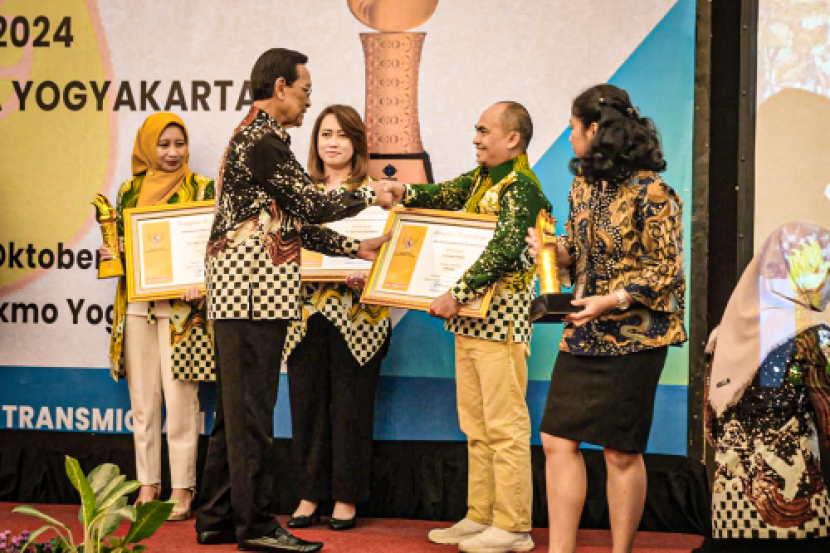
273, 166
328, 242
662, 260
450, 195
816, 352
518, 208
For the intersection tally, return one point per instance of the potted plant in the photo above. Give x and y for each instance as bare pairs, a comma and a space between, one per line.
103, 506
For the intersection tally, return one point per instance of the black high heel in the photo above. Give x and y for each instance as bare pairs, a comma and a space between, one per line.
342, 523
304, 521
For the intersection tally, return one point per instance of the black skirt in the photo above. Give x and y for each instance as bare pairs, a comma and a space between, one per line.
604, 400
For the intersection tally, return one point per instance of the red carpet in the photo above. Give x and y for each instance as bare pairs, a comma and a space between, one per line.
370, 536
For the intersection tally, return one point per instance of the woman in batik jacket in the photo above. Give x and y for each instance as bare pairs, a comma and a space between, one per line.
623, 245
163, 347
334, 353
768, 399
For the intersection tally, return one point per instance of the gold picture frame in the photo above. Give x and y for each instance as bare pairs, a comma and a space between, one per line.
164, 249
426, 255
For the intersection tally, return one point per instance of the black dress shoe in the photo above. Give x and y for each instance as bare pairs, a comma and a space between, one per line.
279, 539
216, 537
342, 523
304, 521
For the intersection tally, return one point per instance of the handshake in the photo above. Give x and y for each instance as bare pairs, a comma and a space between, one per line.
387, 193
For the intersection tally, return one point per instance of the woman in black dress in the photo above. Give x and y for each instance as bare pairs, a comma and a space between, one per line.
623, 246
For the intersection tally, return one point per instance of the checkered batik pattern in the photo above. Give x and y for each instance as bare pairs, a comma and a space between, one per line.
364, 327
735, 517
193, 358
508, 311
243, 283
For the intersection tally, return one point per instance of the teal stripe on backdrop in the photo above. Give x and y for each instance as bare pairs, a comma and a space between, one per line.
408, 408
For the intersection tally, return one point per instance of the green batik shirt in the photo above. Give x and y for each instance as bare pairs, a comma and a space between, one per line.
512, 192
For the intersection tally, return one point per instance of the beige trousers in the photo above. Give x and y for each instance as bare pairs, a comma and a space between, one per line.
147, 356
491, 381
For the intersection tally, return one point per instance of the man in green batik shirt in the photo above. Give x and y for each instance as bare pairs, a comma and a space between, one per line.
491, 353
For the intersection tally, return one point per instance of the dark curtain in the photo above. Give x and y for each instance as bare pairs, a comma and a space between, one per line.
417, 480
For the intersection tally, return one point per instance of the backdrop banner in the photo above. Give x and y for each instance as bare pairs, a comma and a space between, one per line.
78, 77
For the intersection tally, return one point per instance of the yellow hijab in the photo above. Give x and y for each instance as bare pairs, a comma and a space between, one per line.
159, 185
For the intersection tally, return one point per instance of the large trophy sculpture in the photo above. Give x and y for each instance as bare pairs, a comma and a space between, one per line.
552, 304
106, 215
392, 59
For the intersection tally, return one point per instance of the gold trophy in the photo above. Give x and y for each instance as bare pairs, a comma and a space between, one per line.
552, 304
106, 216
392, 60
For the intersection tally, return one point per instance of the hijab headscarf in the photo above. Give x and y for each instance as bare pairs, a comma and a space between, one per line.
159, 185
782, 292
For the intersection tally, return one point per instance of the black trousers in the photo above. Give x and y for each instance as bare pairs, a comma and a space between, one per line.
239, 474
332, 415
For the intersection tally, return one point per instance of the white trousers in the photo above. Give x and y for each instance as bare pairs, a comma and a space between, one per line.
147, 356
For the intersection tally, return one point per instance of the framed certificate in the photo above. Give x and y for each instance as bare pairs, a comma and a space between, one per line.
427, 254
165, 249
317, 267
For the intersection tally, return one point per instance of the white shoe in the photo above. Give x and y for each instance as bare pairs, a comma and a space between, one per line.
457, 533
496, 540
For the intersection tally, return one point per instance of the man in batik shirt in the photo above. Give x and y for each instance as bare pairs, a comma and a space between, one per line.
266, 210
491, 353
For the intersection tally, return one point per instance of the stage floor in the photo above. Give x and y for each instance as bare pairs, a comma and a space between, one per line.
370, 536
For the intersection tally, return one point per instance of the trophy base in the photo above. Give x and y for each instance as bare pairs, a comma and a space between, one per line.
551, 308
409, 168
110, 268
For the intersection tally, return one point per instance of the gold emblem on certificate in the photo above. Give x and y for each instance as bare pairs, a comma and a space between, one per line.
427, 254
165, 249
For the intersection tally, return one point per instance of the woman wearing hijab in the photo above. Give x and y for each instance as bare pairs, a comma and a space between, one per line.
153, 342
768, 398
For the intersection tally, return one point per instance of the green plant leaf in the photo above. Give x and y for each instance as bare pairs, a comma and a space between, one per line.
112, 518
31, 511
76, 476
37, 533
148, 518
102, 494
102, 475
139, 548
119, 491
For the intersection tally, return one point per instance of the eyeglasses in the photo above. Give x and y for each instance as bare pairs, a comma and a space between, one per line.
305, 90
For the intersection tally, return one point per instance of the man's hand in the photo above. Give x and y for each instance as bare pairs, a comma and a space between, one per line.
444, 306
594, 306
563, 259
193, 294
370, 247
395, 188
533, 241
106, 253
383, 198
356, 281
